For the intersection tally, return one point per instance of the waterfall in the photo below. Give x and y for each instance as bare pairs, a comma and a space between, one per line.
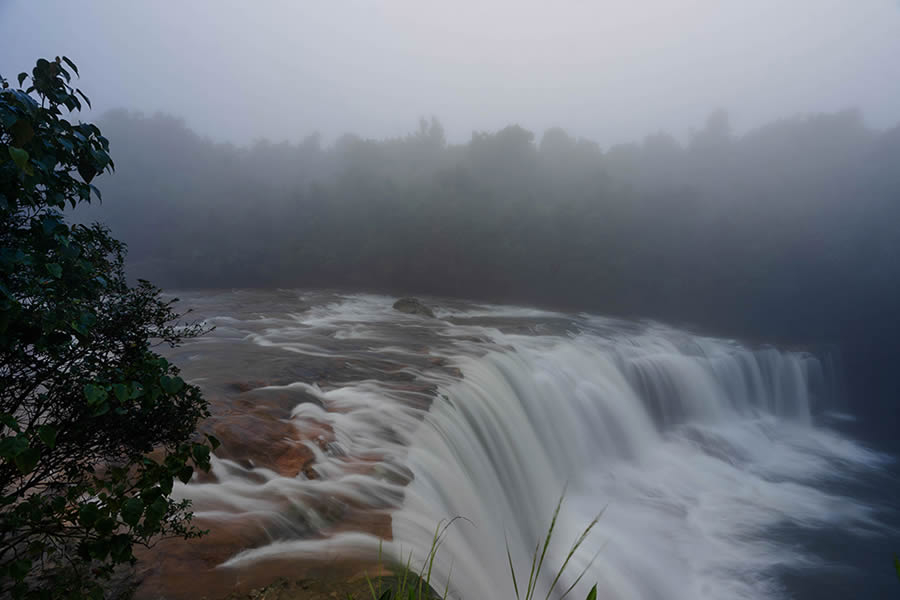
699, 452
696, 449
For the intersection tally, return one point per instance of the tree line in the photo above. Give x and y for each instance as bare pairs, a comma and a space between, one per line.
784, 233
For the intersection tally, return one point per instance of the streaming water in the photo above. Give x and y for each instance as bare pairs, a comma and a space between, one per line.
699, 452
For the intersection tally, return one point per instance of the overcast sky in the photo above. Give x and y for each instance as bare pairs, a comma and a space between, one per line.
610, 70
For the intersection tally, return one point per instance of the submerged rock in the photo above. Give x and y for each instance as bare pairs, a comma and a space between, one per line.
413, 306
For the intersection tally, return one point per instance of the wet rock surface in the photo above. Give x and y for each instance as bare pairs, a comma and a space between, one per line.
309, 589
413, 306
308, 392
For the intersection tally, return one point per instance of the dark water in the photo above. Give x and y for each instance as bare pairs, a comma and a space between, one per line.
854, 566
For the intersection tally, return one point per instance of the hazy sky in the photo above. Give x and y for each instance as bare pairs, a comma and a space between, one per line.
608, 70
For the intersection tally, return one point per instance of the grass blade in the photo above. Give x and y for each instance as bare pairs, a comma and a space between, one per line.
574, 549
531, 574
380, 566
405, 574
512, 570
546, 545
585, 570
447, 585
371, 587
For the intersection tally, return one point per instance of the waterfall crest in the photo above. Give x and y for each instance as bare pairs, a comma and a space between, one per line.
696, 448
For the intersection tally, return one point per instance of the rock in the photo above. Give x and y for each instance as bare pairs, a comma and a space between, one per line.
413, 306
244, 386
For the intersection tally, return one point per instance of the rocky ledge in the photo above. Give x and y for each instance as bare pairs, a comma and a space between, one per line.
413, 306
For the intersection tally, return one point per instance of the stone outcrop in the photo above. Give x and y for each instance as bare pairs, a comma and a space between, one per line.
413, 306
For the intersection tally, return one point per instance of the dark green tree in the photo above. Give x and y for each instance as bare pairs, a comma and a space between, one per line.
94, 425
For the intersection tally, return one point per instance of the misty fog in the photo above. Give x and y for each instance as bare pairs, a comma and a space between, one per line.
611, 71
652, 250
787, 232
708, 163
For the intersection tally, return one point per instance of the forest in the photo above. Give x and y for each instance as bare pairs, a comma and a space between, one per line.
785, 233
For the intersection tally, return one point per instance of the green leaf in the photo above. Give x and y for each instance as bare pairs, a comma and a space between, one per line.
132, 511
101, 159
897, 565
201, 454
213, 441
86, 99
156, 511
137, 390
171, 385
105, 526
50, 223
386, 595
20, 569
88, 514
54, 269
58, 504
123, 394
94, 394
22, 77
10, 421
165, 484
20, 157
120, 548
47, 434
95, 592
186, 473
22, 132
71, 251
11, 447
592, 595
71, 64
27, 460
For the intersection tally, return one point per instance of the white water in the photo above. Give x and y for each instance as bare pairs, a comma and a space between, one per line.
698, 449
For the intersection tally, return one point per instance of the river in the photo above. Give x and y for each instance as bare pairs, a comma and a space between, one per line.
723, 470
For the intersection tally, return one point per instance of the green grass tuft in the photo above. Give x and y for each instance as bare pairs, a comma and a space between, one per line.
408, 584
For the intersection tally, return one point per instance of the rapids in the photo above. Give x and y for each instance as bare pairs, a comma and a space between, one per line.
699, 452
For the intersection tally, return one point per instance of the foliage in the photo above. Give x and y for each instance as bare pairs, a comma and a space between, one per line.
95, 425
537, 564
411, 584
407, 583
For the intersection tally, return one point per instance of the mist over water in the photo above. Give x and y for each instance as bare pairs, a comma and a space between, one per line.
697, 450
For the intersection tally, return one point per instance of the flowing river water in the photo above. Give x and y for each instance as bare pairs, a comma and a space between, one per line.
722, 470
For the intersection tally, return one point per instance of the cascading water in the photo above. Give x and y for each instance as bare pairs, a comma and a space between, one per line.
698, 449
